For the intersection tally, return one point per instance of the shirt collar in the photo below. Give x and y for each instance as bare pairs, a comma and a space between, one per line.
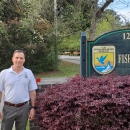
23, 72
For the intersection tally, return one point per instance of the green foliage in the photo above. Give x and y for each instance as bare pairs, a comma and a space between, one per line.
9, 10
47, 10
40, 60
64, 69
75, 16
28, 125
109, 21
70, 43
30, 25
71, 16
18, 32
39, 55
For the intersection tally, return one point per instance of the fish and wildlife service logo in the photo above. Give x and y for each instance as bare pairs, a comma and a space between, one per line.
103, 59
26, 75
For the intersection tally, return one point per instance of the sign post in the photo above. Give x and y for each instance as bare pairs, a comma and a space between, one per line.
83, 55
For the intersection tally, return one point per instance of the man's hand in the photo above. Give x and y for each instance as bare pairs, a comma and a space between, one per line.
1, 117
32, 114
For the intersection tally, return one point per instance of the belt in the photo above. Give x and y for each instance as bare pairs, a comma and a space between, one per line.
15, 105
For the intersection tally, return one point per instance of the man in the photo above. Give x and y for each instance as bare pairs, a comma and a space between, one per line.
19, 85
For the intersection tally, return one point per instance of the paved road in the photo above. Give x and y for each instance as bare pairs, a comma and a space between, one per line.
72, 59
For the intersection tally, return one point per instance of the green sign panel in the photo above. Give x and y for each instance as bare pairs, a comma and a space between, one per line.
109, 53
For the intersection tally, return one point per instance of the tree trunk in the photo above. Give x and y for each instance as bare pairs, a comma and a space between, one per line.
96, 15
94, 20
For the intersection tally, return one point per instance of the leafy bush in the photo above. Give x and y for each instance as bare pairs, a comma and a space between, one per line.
19, 30
96, 103
40, 55
70, 43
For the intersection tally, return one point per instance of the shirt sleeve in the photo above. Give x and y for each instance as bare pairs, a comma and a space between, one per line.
1, 81
32, 84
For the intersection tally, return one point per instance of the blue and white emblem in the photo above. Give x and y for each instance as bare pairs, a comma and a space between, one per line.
103, 59
26, 75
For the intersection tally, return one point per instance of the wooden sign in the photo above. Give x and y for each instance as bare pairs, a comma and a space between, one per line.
109, 53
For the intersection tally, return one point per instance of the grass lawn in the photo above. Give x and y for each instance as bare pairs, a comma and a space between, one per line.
27, 127
65, 69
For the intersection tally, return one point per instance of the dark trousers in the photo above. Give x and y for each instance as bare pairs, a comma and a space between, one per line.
11, 114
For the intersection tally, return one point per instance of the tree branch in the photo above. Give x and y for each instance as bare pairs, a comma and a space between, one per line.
98, 14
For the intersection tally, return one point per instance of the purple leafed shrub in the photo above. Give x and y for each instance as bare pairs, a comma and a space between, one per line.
96, 103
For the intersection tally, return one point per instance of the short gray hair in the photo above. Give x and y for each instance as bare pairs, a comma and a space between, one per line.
19, 51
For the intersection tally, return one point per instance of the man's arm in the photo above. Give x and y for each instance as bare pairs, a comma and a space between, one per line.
33, 97
0, 96
0, 106
33, 101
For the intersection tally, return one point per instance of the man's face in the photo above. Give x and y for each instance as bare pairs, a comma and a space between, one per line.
18, 59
